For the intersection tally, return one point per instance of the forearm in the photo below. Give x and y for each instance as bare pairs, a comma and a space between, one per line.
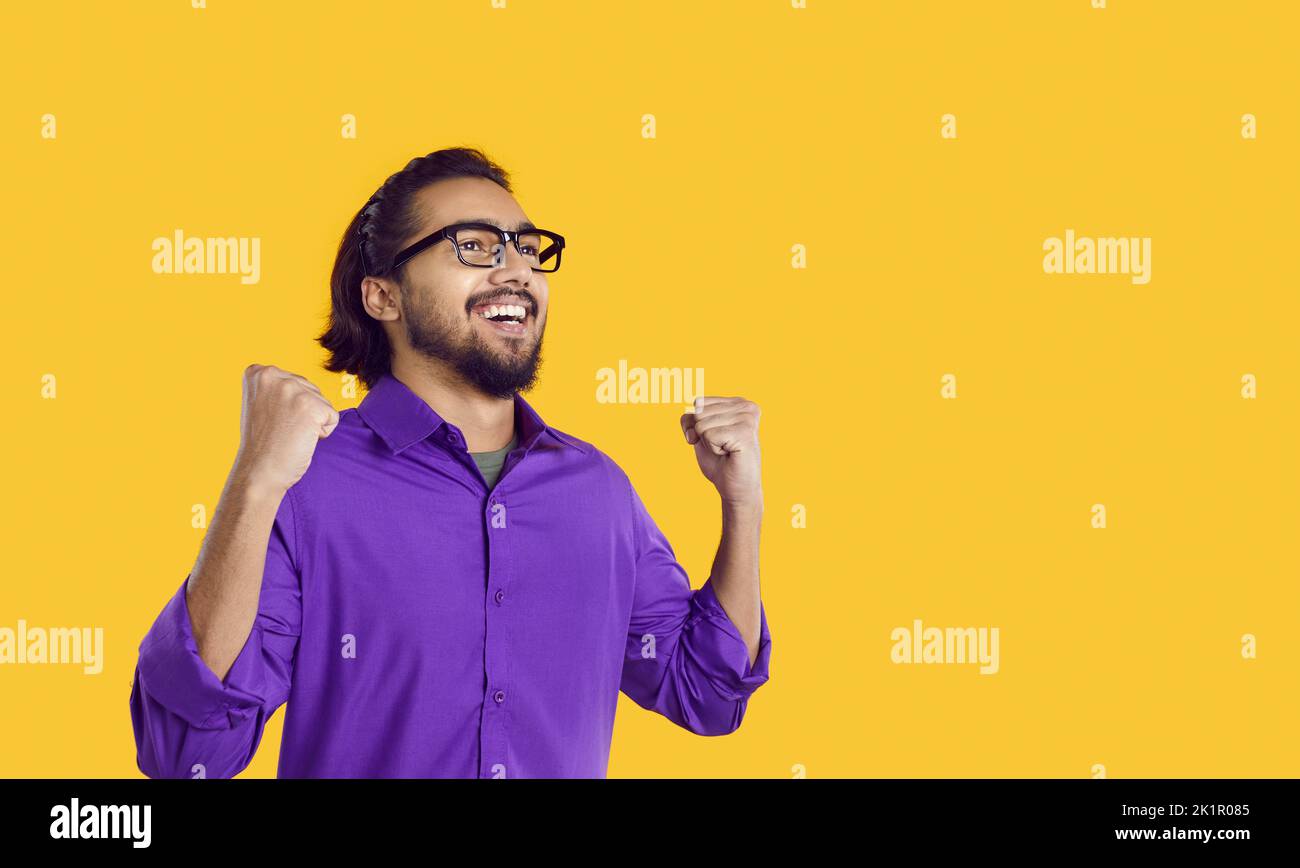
735, 569
226, 583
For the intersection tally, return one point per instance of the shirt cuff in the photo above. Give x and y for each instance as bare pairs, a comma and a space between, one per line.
173, 674
735, 678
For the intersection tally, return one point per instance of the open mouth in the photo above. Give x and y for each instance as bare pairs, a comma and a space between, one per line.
505, 317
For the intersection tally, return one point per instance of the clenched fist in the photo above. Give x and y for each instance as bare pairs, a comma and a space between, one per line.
284, 417
724, 432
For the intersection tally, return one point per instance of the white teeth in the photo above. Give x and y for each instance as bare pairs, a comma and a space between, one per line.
513, 310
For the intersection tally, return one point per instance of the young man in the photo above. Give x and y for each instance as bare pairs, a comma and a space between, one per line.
437, 582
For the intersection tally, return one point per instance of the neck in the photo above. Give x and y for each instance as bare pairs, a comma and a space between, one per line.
488, 423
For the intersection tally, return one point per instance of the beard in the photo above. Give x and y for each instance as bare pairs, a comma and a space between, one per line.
437, 334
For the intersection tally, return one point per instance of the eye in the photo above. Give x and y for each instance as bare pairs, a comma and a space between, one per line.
528, 249
463, 244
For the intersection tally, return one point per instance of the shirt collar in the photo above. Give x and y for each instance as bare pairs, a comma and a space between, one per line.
402, 418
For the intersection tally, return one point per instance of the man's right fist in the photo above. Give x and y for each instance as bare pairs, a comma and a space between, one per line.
284, 417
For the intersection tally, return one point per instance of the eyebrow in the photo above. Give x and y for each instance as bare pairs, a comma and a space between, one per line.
524, 226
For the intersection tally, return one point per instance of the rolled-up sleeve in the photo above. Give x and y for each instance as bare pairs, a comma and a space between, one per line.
189, 723
685, 659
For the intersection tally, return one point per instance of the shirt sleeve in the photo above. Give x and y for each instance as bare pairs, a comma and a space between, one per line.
684, 657
188, 723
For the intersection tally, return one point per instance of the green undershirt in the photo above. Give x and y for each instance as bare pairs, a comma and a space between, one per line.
490, 463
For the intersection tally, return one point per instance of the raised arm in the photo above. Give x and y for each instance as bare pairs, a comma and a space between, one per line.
697, 656
218, 660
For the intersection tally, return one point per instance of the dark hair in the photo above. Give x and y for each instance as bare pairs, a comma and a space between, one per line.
356, 341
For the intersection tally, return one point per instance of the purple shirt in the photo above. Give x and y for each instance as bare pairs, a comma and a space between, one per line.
420, 625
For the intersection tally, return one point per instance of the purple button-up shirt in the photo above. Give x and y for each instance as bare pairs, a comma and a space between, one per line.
419, 625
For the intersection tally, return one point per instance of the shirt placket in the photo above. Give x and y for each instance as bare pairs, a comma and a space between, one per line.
494, 742
493, 739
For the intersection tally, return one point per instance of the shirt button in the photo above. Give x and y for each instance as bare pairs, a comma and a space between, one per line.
499, 697
500, 595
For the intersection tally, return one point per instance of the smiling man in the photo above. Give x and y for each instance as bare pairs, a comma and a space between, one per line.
438, 583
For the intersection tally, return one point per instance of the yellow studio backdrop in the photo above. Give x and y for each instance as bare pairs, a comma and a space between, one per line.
846, 212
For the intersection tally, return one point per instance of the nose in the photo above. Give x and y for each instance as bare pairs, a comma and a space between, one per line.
514, 269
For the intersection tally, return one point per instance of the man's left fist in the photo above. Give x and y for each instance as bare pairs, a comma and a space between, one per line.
724, 432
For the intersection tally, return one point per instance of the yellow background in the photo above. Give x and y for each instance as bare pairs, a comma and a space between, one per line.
775, 127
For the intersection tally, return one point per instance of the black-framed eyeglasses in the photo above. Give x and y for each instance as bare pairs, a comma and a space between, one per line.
482, 245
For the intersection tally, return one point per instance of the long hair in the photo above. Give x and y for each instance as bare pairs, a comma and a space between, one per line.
355, 340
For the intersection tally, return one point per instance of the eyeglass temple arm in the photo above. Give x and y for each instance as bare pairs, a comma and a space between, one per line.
551, 251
